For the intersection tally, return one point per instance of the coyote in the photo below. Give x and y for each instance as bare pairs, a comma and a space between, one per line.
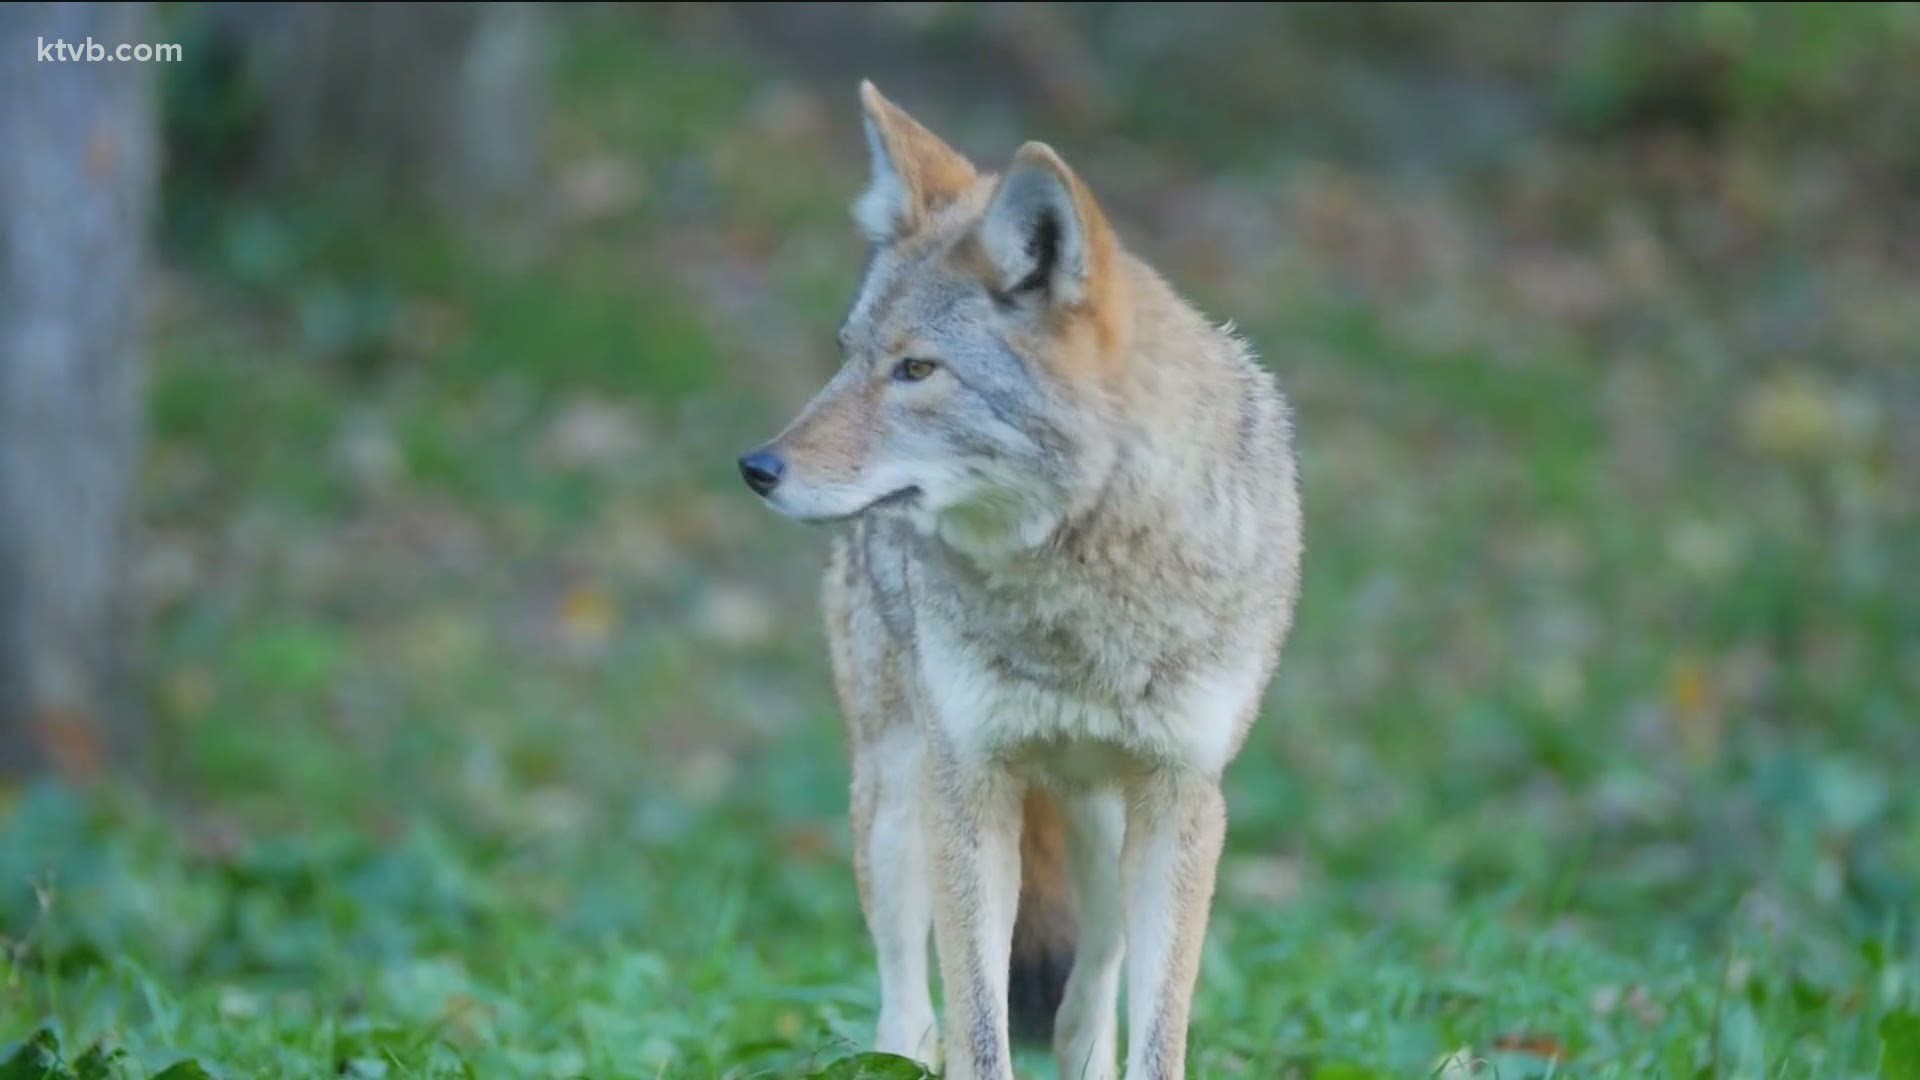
1072, 554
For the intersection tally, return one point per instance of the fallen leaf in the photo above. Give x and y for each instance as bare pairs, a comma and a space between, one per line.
74, 743
1690, 697
1532, 1044
734, 616
1265, 879
591, 434
588, 616
598, 188
1794, 415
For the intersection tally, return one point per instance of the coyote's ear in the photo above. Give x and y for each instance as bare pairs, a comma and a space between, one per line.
1044, 235
914, 172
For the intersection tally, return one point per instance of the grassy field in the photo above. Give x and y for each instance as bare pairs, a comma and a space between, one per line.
493, 734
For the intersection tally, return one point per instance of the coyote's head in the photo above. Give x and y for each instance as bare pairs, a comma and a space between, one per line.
981, 353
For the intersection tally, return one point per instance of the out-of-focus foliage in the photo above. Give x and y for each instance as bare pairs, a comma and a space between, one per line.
1777, 69
494, 726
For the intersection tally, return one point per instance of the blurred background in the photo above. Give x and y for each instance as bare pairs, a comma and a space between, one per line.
396, 680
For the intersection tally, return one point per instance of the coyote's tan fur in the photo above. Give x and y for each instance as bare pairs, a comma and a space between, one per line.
1072, 554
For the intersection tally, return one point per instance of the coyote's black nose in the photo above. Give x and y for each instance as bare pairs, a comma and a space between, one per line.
762, 470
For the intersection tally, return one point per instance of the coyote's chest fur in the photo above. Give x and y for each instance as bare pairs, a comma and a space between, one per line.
1133, 635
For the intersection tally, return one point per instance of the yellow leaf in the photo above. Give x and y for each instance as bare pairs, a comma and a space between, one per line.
1695, 719
588, 616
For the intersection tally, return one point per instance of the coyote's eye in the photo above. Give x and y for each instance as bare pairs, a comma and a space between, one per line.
913, 369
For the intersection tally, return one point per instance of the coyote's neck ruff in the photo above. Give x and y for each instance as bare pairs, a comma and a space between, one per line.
1073, 557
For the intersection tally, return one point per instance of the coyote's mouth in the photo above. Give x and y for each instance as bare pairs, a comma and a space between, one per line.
893, 498
898, 497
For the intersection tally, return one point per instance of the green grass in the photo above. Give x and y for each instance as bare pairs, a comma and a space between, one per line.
493, 735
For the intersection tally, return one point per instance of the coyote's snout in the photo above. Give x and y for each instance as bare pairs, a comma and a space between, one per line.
1073, 556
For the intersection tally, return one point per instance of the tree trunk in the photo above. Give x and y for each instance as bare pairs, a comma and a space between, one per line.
76, 186
440, 104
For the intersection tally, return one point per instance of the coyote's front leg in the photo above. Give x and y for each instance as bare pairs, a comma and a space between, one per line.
894, 870
1175, 825
1087, 1026
974, 814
